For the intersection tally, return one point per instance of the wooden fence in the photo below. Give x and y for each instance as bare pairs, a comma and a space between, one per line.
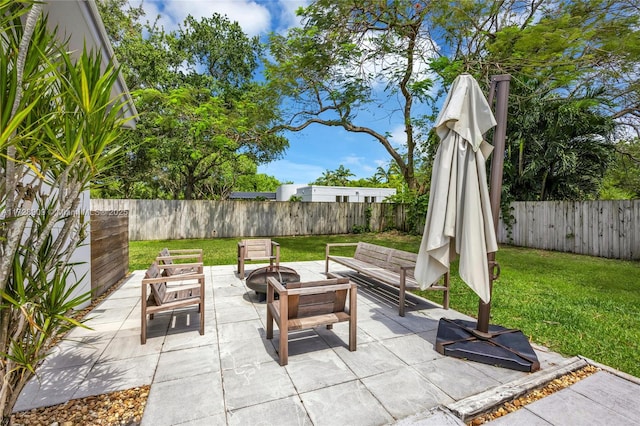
109, 249
176, 219
597, 228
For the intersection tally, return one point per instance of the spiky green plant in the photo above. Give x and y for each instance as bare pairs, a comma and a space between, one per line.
60, 127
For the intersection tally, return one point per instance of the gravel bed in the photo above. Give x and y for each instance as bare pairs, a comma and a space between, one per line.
118, 408
534, 395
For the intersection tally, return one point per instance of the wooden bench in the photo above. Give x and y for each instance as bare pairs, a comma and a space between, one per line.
310, 304
386, 265
168, 293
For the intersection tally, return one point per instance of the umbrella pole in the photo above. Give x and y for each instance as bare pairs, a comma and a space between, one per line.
499, 88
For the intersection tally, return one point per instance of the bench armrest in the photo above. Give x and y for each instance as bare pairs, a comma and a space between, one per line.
408, 267
329, 245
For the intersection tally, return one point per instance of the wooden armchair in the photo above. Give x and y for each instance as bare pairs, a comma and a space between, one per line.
168, 293
255, 249
308, 305
173, 261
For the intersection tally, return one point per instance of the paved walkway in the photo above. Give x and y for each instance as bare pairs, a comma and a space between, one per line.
231, 376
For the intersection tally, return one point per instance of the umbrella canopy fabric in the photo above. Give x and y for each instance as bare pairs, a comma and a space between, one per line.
459, 219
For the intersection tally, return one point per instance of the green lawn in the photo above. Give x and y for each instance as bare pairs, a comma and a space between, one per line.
570, 303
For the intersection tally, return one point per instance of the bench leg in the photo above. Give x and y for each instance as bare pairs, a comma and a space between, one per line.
445, 297
402, 294
353, 318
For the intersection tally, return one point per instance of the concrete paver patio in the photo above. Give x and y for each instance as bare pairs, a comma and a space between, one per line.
231, 375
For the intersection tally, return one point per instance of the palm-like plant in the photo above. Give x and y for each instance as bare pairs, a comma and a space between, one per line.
56, 136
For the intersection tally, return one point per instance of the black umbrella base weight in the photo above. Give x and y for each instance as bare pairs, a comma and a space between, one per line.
501, 346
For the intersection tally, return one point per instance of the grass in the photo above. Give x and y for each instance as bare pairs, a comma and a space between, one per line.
573, 304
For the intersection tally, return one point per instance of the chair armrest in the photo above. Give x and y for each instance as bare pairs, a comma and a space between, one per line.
186, 254
275, 246
186, 251
198, 265
197, 257
173, 278
277, 286
321, 288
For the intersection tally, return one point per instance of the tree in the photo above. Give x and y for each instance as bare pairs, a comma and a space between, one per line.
357, 62
351, 59
559, 148
59, 128
199, 137
204, 121
338, 177
622, 179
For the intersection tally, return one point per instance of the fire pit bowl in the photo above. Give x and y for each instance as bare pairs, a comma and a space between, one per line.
257, 279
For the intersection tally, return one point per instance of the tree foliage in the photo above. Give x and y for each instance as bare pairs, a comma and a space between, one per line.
59, 128
622, 179
204, 120
379, 63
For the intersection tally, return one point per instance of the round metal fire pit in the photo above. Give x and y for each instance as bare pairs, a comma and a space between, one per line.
257, 279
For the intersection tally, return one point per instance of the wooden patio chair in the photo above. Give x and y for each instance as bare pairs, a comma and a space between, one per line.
169, 293
173, 261
257, 249
308, 305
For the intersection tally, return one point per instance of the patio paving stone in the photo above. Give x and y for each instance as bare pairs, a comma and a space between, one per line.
186, 399
256, 384
401, 391
318, 369
348, 403
413, 348
231, 374
281, 412
468, 380
106, 377
186, 363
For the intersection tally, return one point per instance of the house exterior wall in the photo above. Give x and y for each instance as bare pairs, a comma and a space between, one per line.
316, 193
79, 22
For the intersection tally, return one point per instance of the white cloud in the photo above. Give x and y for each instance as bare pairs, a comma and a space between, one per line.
399, 136
288, 17
253, 18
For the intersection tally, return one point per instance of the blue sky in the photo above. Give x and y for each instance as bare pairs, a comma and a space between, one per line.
315, 149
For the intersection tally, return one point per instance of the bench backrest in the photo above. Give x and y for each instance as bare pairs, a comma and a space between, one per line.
385, 257
301, 306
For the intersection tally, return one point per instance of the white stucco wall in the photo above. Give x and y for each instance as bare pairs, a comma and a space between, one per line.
319, 193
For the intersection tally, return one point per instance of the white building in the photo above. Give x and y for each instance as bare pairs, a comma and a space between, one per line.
79, 22
341, 194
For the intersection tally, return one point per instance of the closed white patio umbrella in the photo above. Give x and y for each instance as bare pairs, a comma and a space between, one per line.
459, 219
